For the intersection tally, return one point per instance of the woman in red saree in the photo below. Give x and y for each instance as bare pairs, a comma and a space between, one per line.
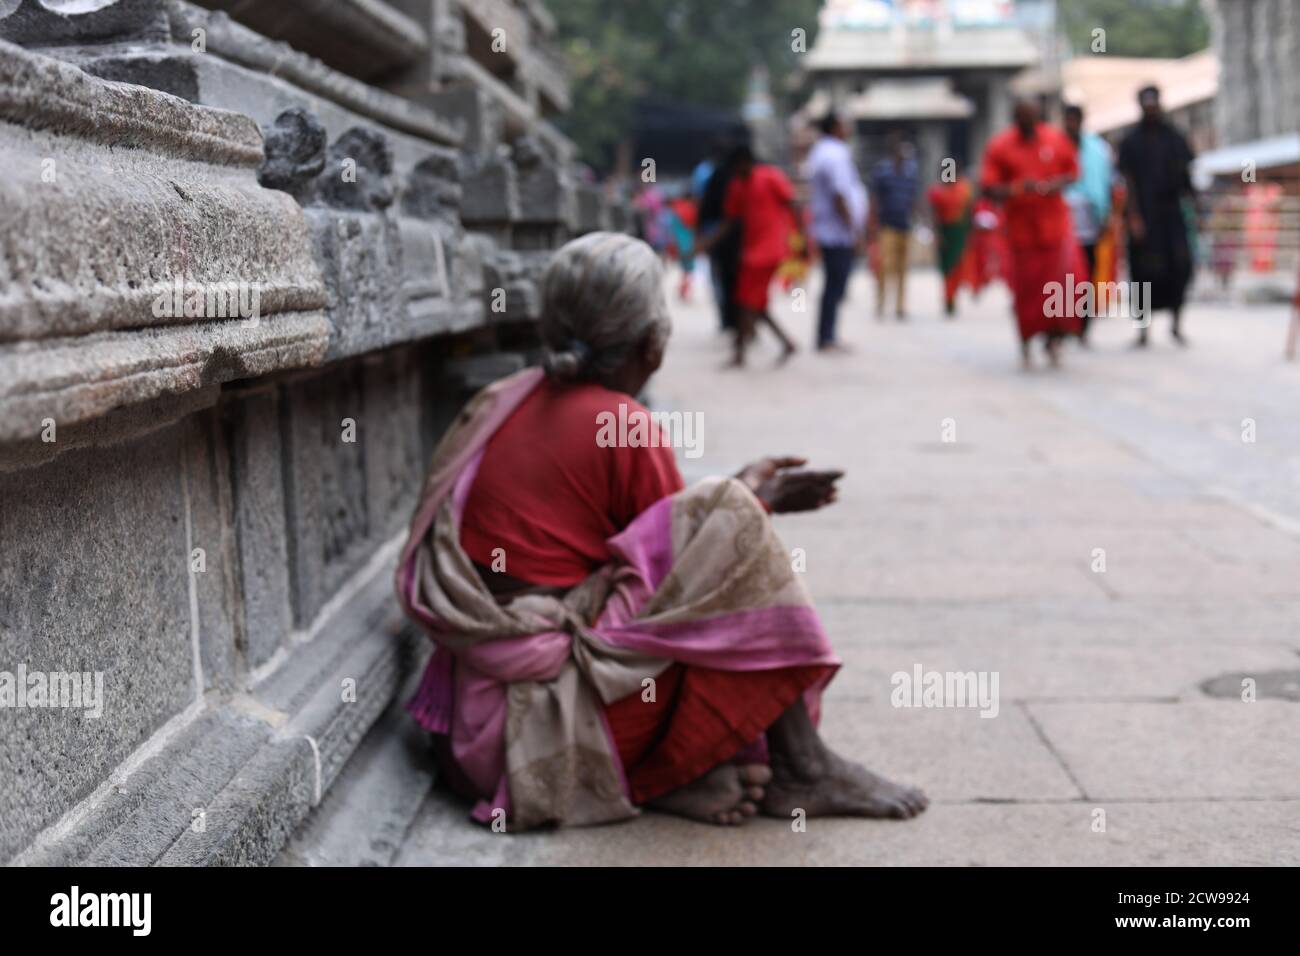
953, 204
606, 638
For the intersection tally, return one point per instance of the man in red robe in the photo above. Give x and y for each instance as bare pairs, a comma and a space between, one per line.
1026, 167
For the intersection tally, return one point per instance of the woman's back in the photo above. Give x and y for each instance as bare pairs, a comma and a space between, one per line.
548, 494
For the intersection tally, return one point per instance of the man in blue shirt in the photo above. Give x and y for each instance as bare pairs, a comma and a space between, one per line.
837, 204
894, 184
1088, 196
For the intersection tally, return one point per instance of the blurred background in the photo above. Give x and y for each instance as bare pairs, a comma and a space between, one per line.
663, 78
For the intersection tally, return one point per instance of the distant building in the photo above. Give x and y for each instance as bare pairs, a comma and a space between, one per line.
939, 69
1106, 87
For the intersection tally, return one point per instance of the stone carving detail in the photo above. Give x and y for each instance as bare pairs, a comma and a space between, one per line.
128, 274
357, 170
491, 190
433, 189
43, 22
481, 117
528, 154
519, 276
325, 478
353, 173
295, 153
545, 190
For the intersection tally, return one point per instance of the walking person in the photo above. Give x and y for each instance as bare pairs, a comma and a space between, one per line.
837, 205
710, 179
953, 206
1156, 162
682, 216
649, 206
759, 207
894, 184
1026, 167
1088, 198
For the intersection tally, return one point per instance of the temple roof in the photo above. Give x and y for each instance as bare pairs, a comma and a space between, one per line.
924, 46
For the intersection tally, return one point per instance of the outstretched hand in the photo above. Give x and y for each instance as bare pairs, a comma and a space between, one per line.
786, 486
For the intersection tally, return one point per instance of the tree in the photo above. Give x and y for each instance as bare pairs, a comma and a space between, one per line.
1155, 28
694, 51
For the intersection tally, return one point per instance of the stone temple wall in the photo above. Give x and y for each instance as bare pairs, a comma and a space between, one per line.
255, 256
1258, 43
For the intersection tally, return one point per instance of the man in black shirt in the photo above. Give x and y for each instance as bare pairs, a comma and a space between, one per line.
1156, 162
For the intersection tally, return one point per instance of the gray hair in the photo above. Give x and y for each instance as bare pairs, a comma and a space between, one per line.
602, 296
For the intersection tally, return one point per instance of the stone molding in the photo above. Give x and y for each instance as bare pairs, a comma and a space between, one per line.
135, 228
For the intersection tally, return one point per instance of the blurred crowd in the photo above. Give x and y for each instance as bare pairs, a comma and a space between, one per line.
1054, 212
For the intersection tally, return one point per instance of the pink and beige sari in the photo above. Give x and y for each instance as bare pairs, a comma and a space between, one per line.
698, 578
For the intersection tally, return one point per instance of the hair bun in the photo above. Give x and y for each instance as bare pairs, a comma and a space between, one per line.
568, 363
563, 366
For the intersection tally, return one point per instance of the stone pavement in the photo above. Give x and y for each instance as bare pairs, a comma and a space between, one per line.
980, 554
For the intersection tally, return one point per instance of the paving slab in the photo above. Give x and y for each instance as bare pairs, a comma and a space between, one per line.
1098, 669
1220, 749
1250, 833
954, 754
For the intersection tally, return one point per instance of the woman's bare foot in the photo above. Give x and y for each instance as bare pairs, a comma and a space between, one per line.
727, 795
838, 787
809, 776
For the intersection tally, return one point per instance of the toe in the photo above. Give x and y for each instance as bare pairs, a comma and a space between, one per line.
896, 809
756, 774
747, 809
755, 793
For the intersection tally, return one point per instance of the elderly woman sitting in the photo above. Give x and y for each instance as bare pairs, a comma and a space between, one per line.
608, 639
